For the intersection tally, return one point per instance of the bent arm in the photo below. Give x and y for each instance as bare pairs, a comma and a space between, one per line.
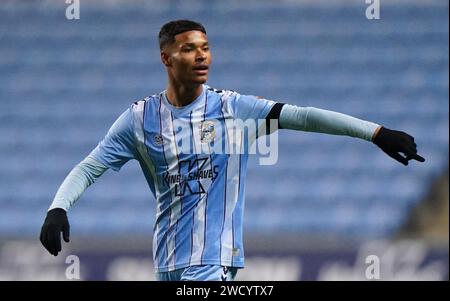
311, 119
115, 149
77, 181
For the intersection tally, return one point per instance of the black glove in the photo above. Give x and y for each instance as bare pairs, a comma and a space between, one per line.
55, 223
395, 142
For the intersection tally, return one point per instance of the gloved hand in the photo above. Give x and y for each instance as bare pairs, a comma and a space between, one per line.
395, 142
55, 223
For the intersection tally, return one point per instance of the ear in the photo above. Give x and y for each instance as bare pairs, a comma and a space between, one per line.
165, 59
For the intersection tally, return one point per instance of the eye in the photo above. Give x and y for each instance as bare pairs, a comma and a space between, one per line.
186, 49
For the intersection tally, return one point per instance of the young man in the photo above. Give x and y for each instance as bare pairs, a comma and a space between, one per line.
199, 195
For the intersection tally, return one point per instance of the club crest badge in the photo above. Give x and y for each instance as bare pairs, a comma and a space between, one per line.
207, 131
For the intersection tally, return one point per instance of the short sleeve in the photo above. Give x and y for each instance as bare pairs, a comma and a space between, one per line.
118, 146
252, 107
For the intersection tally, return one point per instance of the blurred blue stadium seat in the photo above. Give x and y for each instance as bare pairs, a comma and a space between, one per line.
63, 83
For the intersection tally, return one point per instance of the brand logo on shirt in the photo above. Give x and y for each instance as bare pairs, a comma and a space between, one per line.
190, 181
207, 130
158, 139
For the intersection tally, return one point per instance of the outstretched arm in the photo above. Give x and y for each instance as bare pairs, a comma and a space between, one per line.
311, 119
323, 121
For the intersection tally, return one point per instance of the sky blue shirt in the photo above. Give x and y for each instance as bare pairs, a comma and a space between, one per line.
199, 192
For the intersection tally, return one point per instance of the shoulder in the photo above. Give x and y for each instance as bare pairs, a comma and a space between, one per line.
146, 104
227, 99
224, 95
147, 99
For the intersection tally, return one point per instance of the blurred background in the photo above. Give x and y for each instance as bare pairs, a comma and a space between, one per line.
318, 214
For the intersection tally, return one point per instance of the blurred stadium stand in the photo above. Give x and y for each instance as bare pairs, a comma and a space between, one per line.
63, 83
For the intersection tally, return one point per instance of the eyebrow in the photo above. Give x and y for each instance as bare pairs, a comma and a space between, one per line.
193, 44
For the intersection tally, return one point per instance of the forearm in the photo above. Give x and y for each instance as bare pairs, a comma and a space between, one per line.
311, 119
76, 182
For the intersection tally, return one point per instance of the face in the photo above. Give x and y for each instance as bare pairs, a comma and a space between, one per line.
188, 58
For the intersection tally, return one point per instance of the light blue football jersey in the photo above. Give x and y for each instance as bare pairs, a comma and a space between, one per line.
199, 191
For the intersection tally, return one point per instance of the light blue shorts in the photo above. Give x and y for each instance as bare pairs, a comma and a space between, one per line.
199, 273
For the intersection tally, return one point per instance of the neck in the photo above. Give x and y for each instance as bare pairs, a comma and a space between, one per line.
180, 95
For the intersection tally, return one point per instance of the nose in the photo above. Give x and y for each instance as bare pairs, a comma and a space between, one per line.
200, 56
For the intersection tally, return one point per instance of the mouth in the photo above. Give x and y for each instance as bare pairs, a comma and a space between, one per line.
201, 69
